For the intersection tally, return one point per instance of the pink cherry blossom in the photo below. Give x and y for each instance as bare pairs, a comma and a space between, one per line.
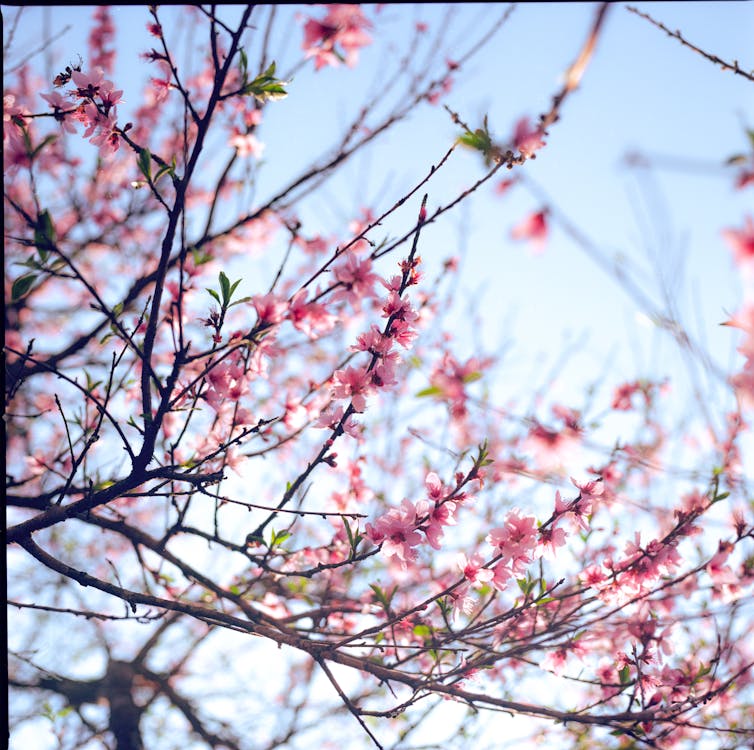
533, 229
312, 318
742, 243
396, 532
337, 37
527, 139
516, 540
271, 308
550, 539
246, 144
352, 383
356, 280
473, 569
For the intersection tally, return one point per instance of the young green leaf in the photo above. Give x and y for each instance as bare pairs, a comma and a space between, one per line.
22, 286
145, 163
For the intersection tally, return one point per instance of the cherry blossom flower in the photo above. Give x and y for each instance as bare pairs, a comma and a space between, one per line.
434, 518
745, 178
527, 139
271, 308
312, 318
434, 486
516, 540
622, 395
15, 151
356, 279
501, 575
442, 89
107, 137
88, 84
343, 26
533, 229
742, 243
450, 377
462, 602
353, 383
60, 105
504, 185
550, 539
246, 144
473, 569
329, 419
593, 576
718, 571
396, 532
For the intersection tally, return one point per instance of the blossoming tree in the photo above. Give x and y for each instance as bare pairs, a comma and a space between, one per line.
259, 494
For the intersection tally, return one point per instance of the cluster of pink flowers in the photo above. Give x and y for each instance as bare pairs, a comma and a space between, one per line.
95, 101
227, 383
101, 37
398, 530
516, 544
521, 540
337, 37
356, 383
642, 568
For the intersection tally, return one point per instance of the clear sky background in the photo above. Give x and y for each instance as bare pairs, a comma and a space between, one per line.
643, 92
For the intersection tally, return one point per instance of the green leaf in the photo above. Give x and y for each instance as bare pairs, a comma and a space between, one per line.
278, 537
240, 301
353, 539
244, 65
750, 133
624, 675
44, 234
145, 163
215, 295
200, 257
22, 286
163, 170
383, 598
479, 140
471, 377
432, 390
266, 87
423, 631
225, 287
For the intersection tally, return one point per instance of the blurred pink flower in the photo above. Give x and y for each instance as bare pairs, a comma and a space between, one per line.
742, 243
526, 139
533, 228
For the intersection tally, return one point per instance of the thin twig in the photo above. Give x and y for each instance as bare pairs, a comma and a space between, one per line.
677, 35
